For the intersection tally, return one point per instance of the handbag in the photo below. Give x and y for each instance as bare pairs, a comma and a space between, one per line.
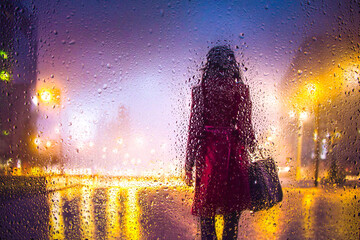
265, 187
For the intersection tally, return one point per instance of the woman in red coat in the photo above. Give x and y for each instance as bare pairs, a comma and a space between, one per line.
220, 132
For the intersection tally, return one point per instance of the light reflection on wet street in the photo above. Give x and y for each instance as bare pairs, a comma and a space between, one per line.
143, 209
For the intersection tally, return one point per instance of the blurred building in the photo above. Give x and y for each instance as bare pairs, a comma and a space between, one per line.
18, 76
321, 105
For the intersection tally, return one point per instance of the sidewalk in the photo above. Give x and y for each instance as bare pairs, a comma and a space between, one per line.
310, 183
18, 186
15, 186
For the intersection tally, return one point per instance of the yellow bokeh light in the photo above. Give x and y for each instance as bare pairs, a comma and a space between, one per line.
46, 96
292, 114
303, 115
48, 144
56, 220
311, 88
49, 95
37, 141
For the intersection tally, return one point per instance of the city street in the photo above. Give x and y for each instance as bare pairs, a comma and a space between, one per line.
114, 208
105, 104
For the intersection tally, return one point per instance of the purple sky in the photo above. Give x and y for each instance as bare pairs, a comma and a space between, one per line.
140, 54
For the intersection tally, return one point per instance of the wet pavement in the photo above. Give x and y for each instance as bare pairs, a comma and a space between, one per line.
156, 210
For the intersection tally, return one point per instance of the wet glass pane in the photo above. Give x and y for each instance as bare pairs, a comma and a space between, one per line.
145, 120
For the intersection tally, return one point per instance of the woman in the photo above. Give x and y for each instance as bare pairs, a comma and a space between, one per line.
220, 132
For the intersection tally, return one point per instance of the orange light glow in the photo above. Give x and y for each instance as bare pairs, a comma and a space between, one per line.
49, 95
37, 141
48, 144
303, 116
46, 96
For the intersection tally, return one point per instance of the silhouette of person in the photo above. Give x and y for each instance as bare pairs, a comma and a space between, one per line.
220, 133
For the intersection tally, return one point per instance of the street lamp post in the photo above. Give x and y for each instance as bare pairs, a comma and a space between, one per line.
317, 144
299, 150
314, 93
302, 117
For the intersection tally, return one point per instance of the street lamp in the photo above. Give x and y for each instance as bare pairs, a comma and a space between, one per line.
49, 96
314, 94
48, 99
302, 116
309, 95
37, 142
46, 96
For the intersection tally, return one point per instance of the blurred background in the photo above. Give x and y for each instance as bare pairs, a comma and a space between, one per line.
95, 104
103, 87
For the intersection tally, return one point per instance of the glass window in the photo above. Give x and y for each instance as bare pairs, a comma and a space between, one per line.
97, 97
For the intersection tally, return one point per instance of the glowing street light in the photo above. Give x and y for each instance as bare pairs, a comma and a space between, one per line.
48, 144
303, 116
310, 94
37, 141
292, 114
312, 89
314, 93
48, 96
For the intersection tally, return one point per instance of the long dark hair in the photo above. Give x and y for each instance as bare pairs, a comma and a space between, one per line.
221, 63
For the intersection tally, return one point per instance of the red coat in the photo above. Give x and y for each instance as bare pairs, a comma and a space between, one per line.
219, 131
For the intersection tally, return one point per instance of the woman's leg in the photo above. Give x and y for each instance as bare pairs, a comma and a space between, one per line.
207, 228
231, 223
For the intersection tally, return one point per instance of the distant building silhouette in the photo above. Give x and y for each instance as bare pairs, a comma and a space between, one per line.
18, 75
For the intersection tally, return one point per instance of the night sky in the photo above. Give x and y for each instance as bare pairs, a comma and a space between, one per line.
146, 55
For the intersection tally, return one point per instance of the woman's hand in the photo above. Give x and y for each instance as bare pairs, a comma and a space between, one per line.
188, 179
